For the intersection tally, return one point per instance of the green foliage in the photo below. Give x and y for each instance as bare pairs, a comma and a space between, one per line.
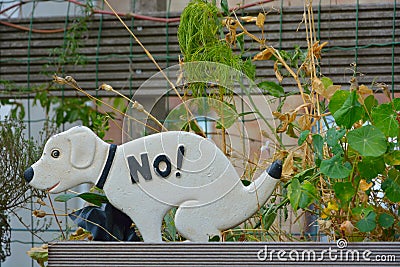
350, 111
59, 109
337, 100
333, 136
370, 167
386, 220
368, 140
385, 119
39, 254
301, 195
318, 143
391, 185
302, 137
272, 88
367, 224
335, 167
359, 158
344, 191
17, 153
93, 198
199, 40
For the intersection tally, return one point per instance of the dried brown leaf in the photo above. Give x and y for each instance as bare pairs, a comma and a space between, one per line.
263, 55
364, 186
80, 234
279, 115
285, 120
318, 86
305, 122
364, 90
287, 168
230, 38
260, 20
362, 196
317, 49
39, 213
325, 225
248, 19
280, 154
41, 202
331, 90
347, 227
277, 72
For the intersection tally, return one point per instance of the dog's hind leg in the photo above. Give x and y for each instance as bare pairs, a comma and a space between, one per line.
194, 223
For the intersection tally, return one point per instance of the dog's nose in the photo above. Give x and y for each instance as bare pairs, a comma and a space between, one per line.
28, 174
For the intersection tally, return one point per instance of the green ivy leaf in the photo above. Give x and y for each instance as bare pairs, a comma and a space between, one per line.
294, 193
309, 193
240, 42
93, 198
333, 136
337, 149
391, 185
272, 88
170, 228
392, 158
368, 141
334, 167
96, 199
65, 197
337, 100
385, 220
359, 210
350, 112
318, 144
344, 191
303, 136
367, 224
326, 82
268, 219
305, 174
370, 167
385, 119
370, 102
396, 103
301, 195
225, 7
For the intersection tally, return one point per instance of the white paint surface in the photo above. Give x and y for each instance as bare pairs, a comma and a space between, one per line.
208, 193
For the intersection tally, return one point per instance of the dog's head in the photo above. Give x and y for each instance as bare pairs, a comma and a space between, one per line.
65, 161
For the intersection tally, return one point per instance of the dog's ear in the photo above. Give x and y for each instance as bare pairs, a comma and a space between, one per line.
83, 147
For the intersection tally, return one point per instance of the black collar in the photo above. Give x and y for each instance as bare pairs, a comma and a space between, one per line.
111, 153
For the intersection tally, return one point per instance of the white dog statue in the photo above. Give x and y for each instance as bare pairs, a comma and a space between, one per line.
148, 176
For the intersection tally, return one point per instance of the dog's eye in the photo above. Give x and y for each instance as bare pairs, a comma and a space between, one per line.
55, 153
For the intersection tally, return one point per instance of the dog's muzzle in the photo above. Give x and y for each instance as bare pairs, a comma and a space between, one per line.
28, 174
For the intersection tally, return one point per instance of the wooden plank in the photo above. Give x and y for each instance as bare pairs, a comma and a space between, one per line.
223, 254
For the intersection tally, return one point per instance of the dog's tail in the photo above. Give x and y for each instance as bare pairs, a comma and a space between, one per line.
255, 195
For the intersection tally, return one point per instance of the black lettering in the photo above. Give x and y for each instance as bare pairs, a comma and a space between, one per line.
156, 165
135, 167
